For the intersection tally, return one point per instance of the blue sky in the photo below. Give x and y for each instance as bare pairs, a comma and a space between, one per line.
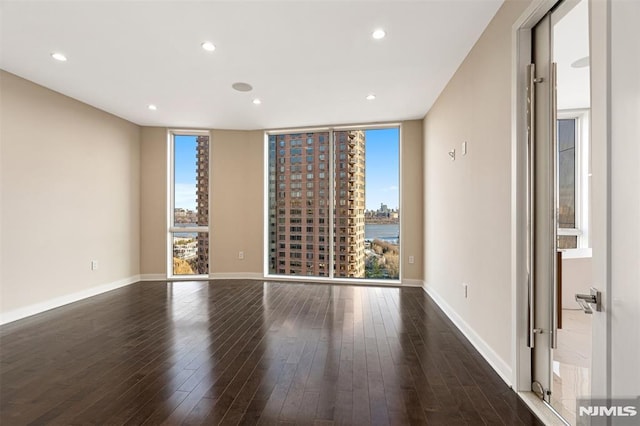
382, 165
185, 172
382, 168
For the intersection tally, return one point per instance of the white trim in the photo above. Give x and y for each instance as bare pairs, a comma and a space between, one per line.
495, 361
171, 228
543, 412
400, 206
236, 276
332, 208
577, 253
265, 205
153, 277
170, 207
36, 308
407, 282
355, 126
188, 278
188, 229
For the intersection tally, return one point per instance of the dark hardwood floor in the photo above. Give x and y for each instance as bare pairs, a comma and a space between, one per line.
247, 352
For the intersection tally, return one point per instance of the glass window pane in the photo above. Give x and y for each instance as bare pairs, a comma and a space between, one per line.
383, 203
190, 166
190, 253
294, 213
567, 173
191, 180
567, 242
349, 226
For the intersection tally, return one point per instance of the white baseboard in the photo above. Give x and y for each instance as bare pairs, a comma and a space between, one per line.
412, 283
153, 277
236, 276
27, 311
498, 364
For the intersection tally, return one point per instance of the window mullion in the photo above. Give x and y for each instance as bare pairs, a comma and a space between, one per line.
332, 206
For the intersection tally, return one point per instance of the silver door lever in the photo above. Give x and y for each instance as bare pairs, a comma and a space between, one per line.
586, 300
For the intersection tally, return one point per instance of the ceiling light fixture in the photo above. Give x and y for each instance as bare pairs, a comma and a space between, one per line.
152, 107
257, 101
242, 87
378, 34
208, 46
59, 57
371, 97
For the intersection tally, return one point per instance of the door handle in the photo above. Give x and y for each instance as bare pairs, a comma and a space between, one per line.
586, 300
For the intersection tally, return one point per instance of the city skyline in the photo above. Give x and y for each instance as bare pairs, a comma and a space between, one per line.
381, 186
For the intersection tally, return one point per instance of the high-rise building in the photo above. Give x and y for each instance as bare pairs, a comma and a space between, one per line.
349, 222
300, 166
202, 202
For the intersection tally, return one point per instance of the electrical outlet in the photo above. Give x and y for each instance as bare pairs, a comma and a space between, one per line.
412, 259
94, 265
465, 287
241, 255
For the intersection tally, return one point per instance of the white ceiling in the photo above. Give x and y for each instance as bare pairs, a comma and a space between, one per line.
310, 62
571, 43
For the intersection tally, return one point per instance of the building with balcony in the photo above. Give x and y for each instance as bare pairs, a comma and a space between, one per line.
300, 203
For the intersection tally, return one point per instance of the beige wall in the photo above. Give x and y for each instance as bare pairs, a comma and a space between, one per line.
70, 194
468, 201
237, 201
237, 209
412, 200
153, 201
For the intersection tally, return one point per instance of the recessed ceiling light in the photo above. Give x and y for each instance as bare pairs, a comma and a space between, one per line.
152, 107
242, 87
208, 46
58, 56
371, 97
257, 101
378, 34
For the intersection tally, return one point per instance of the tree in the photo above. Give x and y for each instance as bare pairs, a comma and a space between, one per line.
373, 269
181, 267
392, 264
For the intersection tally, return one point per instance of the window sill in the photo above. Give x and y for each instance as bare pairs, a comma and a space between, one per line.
578, 253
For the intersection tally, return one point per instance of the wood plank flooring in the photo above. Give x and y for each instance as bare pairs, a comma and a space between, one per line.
248, 352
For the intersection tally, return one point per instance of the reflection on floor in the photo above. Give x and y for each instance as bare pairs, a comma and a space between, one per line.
571, 363
249, 352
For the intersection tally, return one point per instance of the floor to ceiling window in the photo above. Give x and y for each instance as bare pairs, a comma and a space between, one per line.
188, 204
333, 203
